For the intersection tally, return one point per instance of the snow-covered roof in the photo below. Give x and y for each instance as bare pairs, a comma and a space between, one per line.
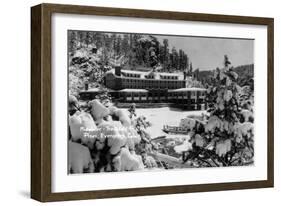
96, 89
143, 74
186, 89
148, 72
133, 72
111, 71
133, 90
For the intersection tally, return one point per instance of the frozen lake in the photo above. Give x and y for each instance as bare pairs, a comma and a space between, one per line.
164, 116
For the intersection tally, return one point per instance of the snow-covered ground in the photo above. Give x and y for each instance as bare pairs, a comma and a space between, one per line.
164, 116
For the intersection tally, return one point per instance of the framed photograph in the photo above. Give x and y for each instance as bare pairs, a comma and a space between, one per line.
130, 102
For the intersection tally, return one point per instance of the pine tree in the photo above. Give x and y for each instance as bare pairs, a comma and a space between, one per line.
174, 59
227, 137
196, 74
162, 55
125, 47
181, 60
166, 54
190, 69
72, 39
88, 39
118, 45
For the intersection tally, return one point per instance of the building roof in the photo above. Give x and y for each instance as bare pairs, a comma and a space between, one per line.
186, 89
142, 74
147, 72
133, 90
96, 89
142, 90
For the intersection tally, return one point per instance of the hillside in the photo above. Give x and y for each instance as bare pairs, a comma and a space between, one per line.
91, 54
245, 73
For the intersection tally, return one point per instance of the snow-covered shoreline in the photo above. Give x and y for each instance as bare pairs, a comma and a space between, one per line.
164, 116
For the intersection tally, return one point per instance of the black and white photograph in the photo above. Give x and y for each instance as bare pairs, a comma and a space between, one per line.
147, 102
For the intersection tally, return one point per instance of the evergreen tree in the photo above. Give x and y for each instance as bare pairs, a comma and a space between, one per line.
227, 137
114, 41
118, 45
196, 74
162, 54
72, 39
125, 47
166, 61
190, 68
82, 38
88, 38
98, 37
174, 59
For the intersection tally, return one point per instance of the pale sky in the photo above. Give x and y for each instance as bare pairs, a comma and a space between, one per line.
208, 53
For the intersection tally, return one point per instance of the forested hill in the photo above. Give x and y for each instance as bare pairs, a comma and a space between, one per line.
91, 54
135, 50
245, 72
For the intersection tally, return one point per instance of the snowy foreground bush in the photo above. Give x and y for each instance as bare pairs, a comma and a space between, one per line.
104, 140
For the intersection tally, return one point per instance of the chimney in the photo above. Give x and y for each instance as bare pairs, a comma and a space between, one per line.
118, 71
86, 86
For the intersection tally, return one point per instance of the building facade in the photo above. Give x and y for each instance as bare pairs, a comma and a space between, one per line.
128, 79
151, 87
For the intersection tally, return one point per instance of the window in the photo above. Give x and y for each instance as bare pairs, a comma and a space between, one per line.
193, 94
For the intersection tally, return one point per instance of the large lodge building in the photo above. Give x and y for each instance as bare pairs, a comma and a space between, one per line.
130, 86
